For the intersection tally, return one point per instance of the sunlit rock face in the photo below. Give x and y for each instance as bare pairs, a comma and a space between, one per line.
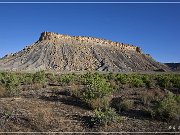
58, 52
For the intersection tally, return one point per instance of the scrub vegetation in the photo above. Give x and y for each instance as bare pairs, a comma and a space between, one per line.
109, 97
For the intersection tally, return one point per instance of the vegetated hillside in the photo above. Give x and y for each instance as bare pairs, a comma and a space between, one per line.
56, 52
46, 102
174, 66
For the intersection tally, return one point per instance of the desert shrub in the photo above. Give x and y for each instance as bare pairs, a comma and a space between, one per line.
27, 79
75, 91
39, 77
123, 105
168, 108
114, 85
136, 82
11, 82
176, 81
122, 78
148, 81
158, 95
2, 91
1, 77
177, 98
96, 88
169, 80
99, 102
112, 78
93, 103
12, 92
67, 78
133, 80
164, 81
89, 77
147, 97
104, 117
51, 77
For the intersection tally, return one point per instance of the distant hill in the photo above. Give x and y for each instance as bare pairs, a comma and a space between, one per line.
174, 66
57, 52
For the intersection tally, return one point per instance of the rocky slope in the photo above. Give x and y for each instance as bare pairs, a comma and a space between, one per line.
56, 52
174, 66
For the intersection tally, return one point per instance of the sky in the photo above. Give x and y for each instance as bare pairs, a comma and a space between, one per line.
153, 27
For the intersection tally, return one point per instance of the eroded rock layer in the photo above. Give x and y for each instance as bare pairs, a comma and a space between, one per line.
56, 52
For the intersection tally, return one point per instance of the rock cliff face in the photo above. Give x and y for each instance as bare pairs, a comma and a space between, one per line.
57, 52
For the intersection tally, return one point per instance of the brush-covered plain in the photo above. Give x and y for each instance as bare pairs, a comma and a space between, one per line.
89, 102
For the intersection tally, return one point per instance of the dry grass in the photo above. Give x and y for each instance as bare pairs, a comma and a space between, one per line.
149, 96
2, 91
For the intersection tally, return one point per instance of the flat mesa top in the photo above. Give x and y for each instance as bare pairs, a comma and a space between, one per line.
51, 36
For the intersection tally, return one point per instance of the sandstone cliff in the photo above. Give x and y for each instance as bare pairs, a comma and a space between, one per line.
57, 52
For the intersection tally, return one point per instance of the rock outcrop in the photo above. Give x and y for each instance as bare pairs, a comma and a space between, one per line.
54, 37
57, 52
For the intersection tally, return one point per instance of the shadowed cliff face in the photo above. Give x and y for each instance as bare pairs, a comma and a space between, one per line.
56, 52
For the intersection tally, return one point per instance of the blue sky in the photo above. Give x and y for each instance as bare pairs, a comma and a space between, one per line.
153, 27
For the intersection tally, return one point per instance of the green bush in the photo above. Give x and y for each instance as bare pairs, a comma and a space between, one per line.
11, 82
164, 81
177, 98
148, 81
27, 79
168, 108
176, 81
97, 87
168, 80
1, 77
137, 82
96, 91
104, 117
67, 78
39, 77
122, 78
111, 76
